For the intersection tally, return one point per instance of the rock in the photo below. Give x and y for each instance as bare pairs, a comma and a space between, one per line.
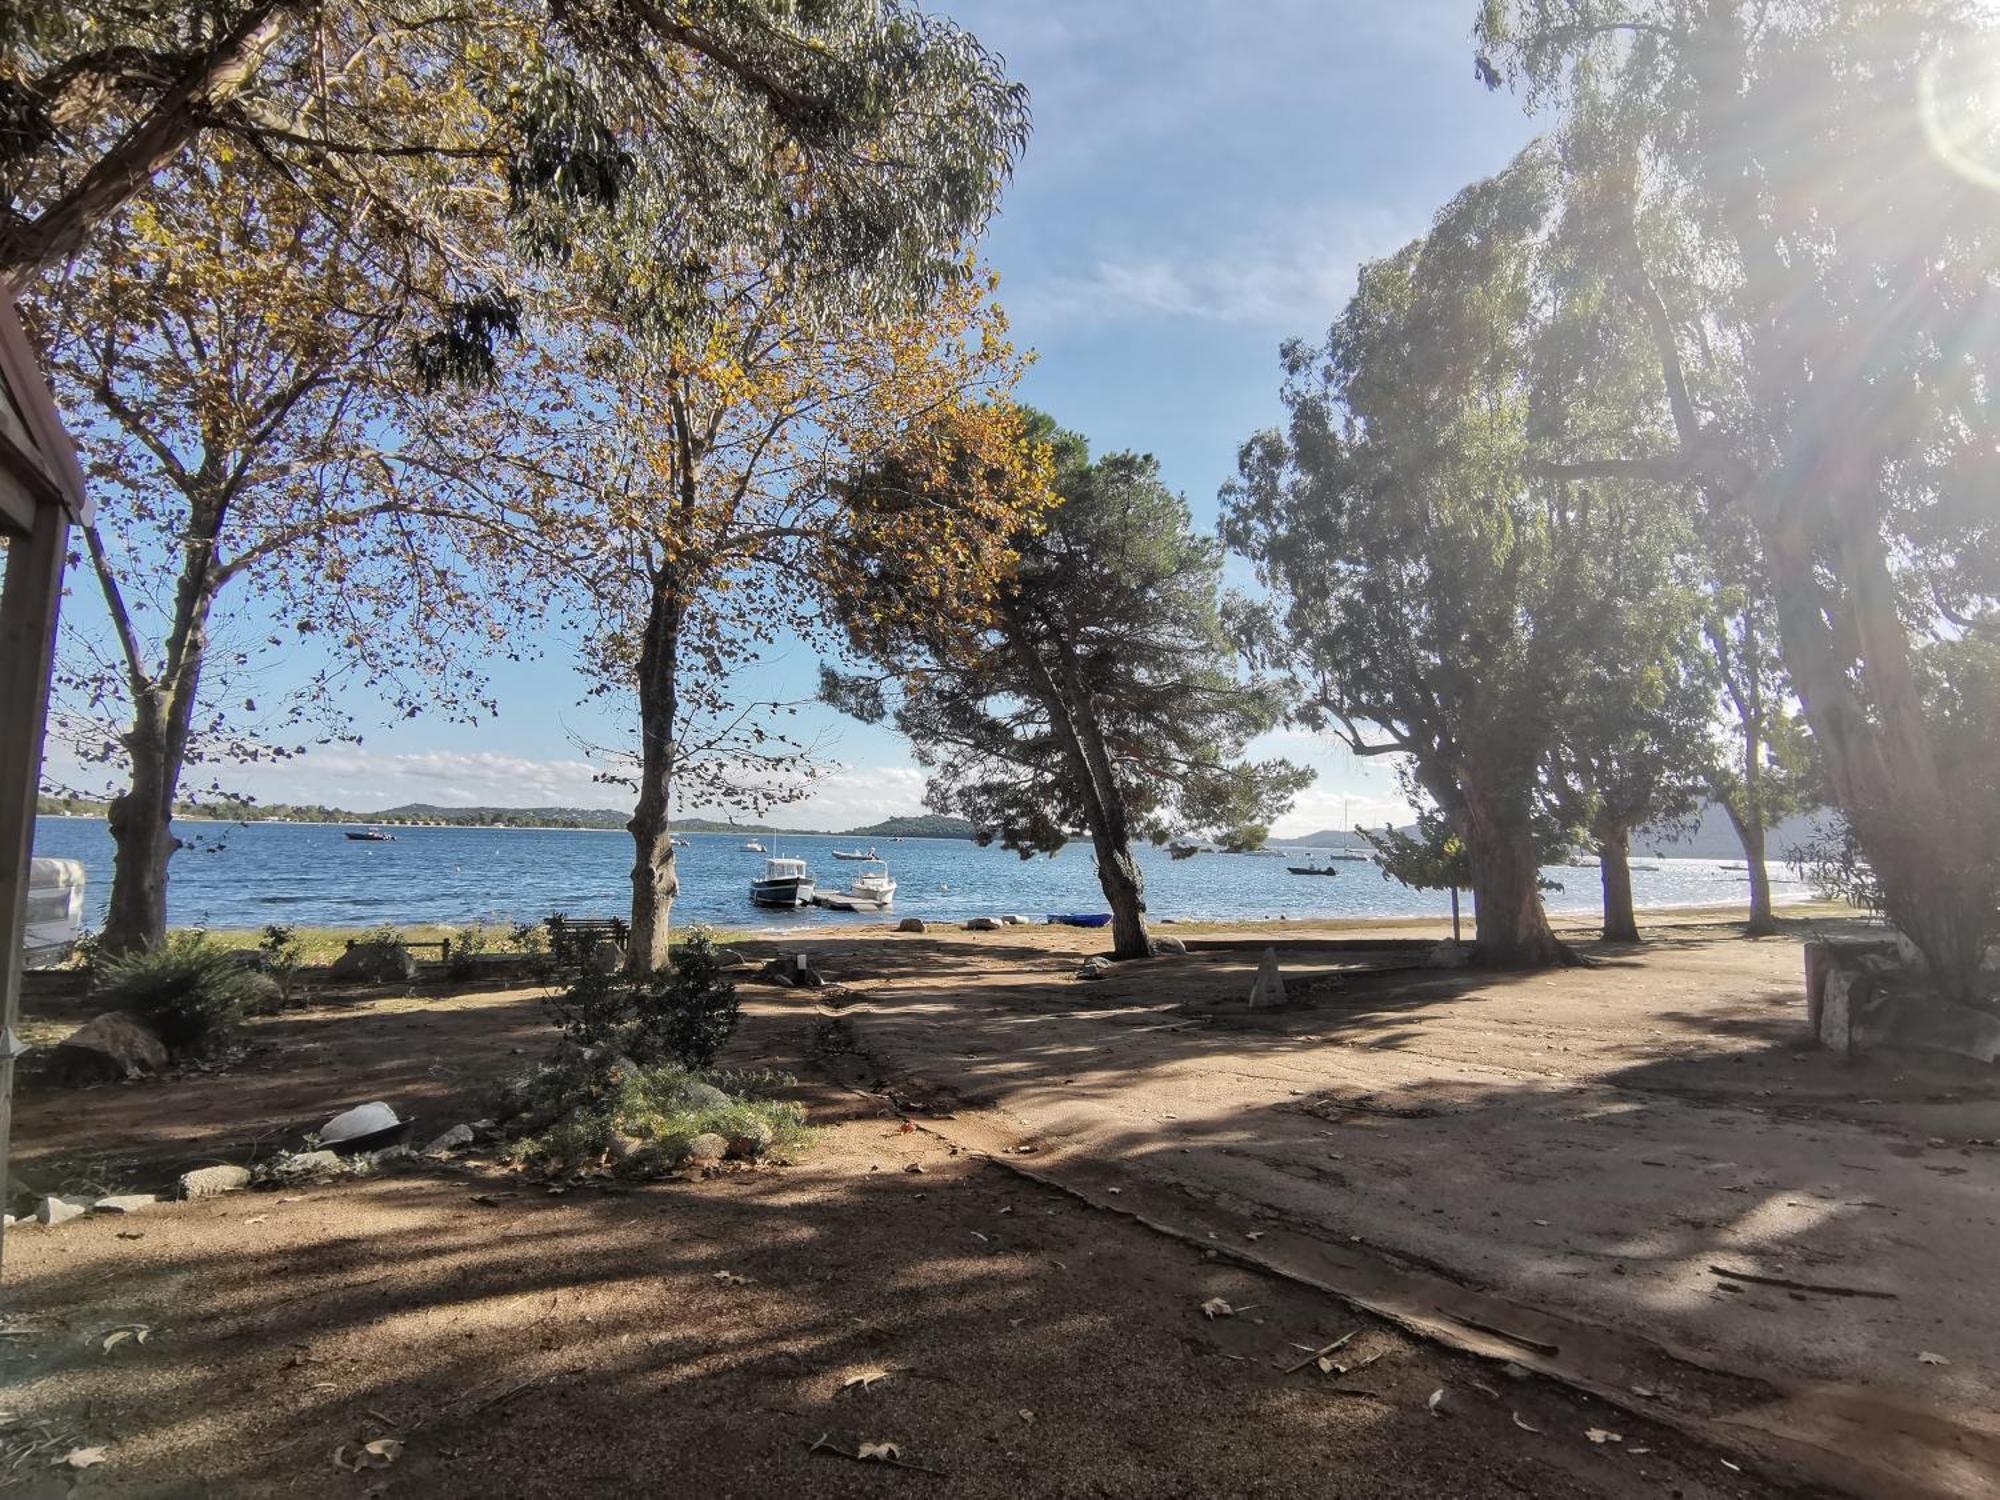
107, 1049
308, 1166
206, 1182
912, 924
484, 1128
366, 1127
750, 1140
454, 1139
1846, 992
123, 1203
1169, 945
1448, 955
729, 958
622, 1147
1013, 919
1927, 1023
1094, 968
1270, 986
982, 924
606, 957
374, 963
796, 971
705, 1148
60, 1210
697, 1095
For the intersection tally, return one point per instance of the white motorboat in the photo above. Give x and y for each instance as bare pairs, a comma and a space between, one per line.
872, 889
785, 882
854, 855
753, 847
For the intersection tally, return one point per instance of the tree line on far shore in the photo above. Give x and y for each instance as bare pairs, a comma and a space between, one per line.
1659, 471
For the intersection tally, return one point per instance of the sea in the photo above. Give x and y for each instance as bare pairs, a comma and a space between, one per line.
311, 875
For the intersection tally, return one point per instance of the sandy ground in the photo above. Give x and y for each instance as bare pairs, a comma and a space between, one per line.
697, 1337
1593, 1142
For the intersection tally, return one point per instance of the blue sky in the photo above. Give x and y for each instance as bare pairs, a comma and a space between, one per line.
1204, 179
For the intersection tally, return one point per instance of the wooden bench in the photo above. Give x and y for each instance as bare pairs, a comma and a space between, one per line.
571, 939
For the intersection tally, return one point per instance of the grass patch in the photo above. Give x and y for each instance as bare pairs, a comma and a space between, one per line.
642, 1121
322, 945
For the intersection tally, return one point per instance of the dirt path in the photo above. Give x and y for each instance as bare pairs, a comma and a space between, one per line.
697, 1337
1594, 1142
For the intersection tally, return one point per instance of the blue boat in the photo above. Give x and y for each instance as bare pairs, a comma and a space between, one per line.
1081, 918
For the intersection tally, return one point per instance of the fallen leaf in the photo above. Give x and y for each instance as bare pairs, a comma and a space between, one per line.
864, 1378
1735, 1468
1638, 1452
1644, 1390
1254, 1234
730, 1278
131, 1234
1330, 1366
906, 1128
1027, 1416
914, 1167
378, 1454
885, 1452
1435, 1404
1928, 1358
980, 1237
1484, 1389
1599, 1435
1114, 1190
84, 1458
1543, 1222
1216, 1307
116, 1337
256, 1218
1524, 1426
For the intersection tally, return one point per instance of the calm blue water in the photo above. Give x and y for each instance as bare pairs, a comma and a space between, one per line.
313, 876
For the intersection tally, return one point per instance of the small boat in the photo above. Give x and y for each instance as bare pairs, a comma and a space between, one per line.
371, 836
753, 847
853, 854
784, 883
1312, 869
1080, 918
1351, 856
872, 890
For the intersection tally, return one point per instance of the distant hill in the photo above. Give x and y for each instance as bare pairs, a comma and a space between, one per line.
922, 826
1712, 838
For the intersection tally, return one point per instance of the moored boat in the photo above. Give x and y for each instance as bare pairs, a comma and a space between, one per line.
784, 883
871, 890
371, 836
853, 854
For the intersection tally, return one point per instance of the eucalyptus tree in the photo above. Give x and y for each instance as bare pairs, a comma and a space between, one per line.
1437, 593
1822, 302
855, 136
1094, 687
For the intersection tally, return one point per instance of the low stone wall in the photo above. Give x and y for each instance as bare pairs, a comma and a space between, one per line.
1864, 994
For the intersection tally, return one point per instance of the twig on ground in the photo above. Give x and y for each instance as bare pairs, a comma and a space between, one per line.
1804, 1286
1321, 1353
821, 1445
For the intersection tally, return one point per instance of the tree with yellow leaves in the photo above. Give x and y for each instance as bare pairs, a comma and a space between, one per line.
713, 473
274, 477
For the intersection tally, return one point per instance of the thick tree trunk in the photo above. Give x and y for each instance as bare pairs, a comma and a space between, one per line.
1614, 873
142, 840
655, 868
1883, 772
1510, 928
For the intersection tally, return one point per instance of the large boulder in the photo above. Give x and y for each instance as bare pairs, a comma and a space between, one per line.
207, 1182
911, 924
705, 1148
374, 963
983, 924
1169, 945
695, 1094
107, 1049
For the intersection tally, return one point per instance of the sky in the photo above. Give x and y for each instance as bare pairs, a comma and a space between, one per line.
1204, 180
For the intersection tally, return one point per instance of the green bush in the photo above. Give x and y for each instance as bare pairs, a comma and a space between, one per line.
192, 991
649, 1114
283, 957
466, 946
683, 1016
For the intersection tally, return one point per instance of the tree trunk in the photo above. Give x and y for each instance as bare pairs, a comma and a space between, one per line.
1614, 873
1067, 703
655, 868
142, 839
1510, 929
1749, 825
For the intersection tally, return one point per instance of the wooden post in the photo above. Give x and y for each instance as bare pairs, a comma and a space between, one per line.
41, 492
28, 606
1454, 914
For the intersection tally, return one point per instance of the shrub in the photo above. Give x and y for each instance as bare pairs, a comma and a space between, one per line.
651, 1114
683, 1016
192, 991
283, 955
466, 946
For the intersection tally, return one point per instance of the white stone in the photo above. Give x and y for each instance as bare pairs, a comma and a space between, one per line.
352, 1124
206, 1182
57, 1210
1270, 986
1169, 945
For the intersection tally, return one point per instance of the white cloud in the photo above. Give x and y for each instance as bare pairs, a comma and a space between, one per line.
1294, 276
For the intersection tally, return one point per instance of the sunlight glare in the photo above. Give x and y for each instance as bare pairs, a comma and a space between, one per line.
1958, 97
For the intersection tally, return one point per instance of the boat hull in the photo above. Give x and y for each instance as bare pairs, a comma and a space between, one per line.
791, 891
